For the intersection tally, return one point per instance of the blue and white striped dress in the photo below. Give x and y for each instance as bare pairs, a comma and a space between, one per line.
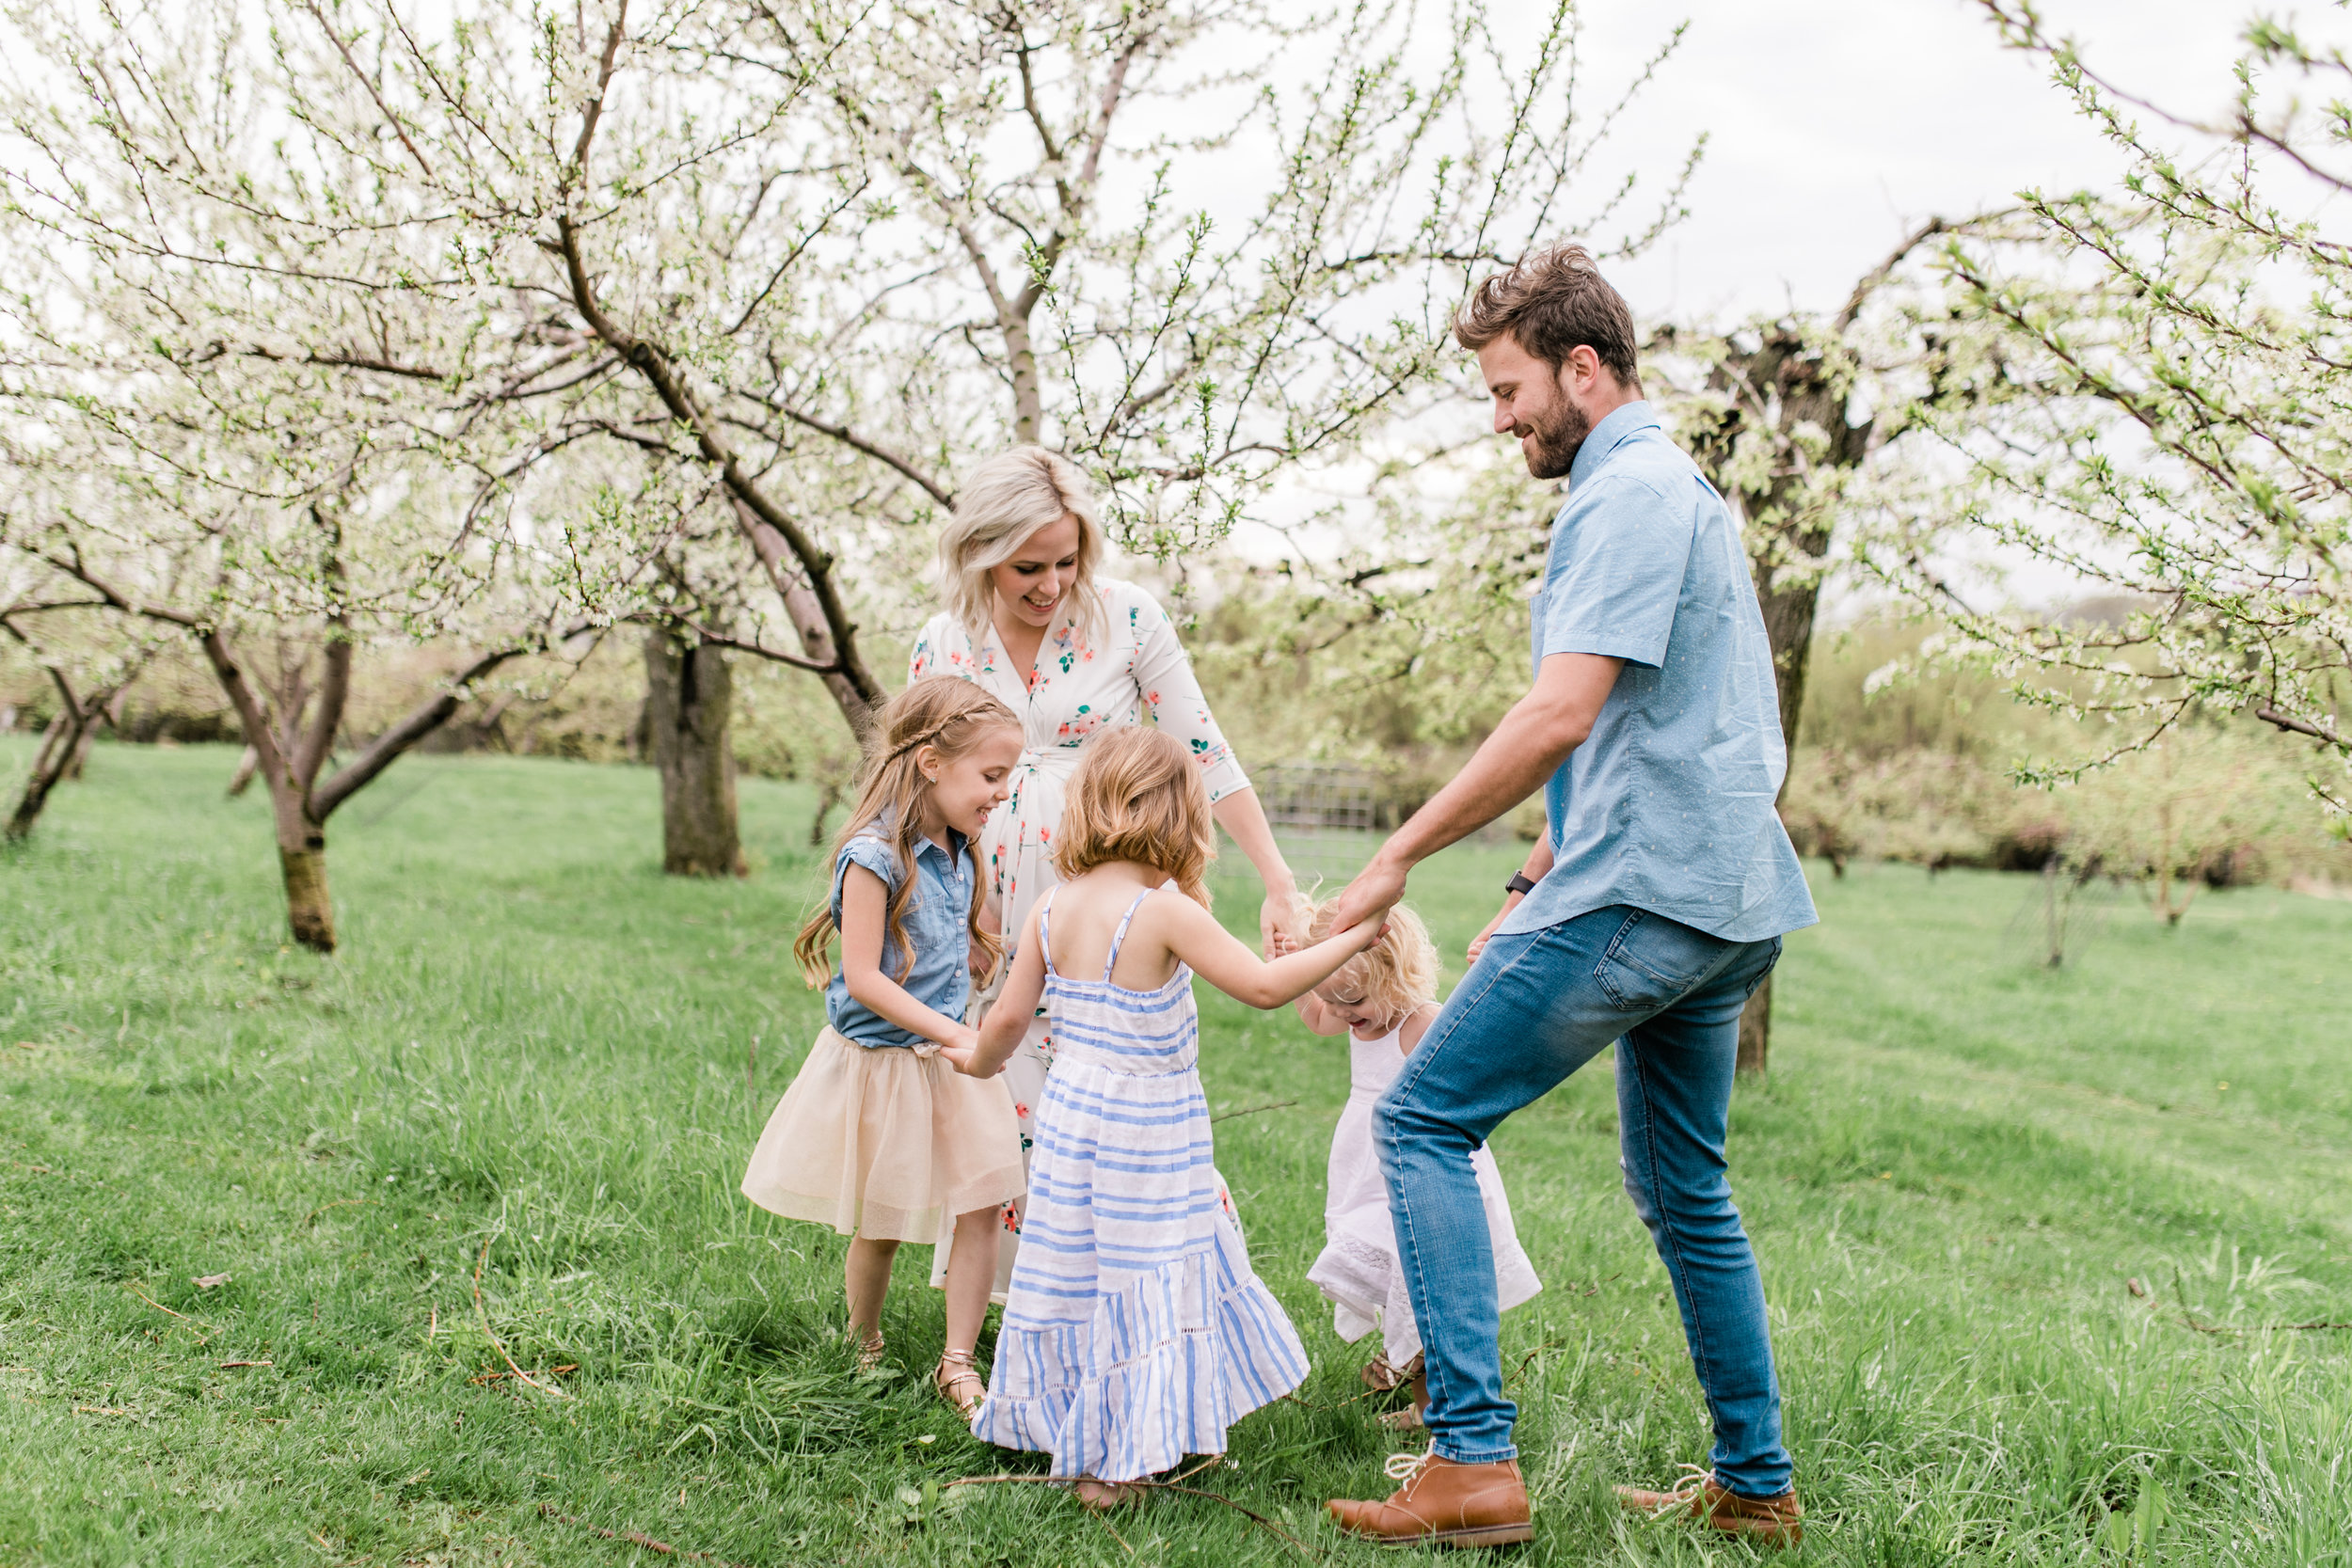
1134, 1331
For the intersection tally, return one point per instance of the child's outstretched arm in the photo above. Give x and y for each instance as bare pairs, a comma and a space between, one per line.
865, 902
1008, 1018
1318, 1019
1194, 936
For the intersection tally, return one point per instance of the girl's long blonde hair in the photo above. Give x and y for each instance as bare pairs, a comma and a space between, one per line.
1002, 505
1137, 796
1398, 974
949, 714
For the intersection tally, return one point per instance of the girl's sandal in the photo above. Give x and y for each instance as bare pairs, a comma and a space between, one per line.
1104, 1496
869, 1352
1410, 1419
955, 1373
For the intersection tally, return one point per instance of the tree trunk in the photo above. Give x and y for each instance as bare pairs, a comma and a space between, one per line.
50, 764
242, 779
689, 708
309, 912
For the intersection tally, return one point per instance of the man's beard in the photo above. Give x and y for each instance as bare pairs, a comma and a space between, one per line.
1558, 438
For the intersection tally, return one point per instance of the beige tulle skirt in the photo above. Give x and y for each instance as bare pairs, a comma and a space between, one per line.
885, 1144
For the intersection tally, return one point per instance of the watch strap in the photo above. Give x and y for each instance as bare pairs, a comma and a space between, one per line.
1518, 883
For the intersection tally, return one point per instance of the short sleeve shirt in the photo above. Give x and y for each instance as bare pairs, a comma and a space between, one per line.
1668, 805
937, 930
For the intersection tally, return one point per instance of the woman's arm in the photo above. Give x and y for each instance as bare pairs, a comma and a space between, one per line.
1008, 1017
864, 904
1242, 814
1193, 935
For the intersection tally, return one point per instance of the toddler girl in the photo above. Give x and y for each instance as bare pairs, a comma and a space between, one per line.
1385, 1001
1134, 1331
877, 1136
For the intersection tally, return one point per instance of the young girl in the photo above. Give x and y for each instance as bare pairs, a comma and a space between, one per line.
877, 1136
1385, 1001
1134, 1331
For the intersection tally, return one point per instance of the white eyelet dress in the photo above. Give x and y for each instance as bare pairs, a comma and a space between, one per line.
1357, 1269
1135, 1332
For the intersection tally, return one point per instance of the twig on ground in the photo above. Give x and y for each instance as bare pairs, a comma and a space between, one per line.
1251, 1111
498, 1343
2191, 1319
1250, 1514
159, 1307
226, 1365
551, 1371
634, 1539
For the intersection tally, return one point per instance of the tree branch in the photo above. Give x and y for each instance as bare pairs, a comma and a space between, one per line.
876, 450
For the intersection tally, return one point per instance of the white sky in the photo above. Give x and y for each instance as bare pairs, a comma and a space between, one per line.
1837, 125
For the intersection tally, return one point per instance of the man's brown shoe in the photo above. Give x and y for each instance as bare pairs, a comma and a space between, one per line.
1443, 1503
1776, 1521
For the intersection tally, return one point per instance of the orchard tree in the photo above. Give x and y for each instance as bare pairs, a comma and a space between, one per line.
218, 423
89, 667
2160, 405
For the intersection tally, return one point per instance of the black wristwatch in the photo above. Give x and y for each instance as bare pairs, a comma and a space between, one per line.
1518, 883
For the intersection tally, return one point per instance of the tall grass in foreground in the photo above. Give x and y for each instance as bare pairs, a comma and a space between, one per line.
2028, 1255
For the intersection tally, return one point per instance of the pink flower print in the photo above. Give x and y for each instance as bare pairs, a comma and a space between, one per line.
1012, 1219
1154, 698
1020, 1110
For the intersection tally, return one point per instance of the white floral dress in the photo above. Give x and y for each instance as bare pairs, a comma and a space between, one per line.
1135, 668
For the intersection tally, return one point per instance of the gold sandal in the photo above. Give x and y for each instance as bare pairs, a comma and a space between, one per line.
955, 1372
869, 1352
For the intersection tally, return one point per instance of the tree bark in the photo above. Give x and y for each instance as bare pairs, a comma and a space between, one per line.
309, 912
242, 780
50, 764
689, 701
1755, 1029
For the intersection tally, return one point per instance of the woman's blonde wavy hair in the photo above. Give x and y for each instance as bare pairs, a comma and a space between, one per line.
1397, 973
1137, 797
950, 715
1002, 505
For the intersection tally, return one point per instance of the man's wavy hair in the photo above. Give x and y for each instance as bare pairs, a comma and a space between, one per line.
1554, 300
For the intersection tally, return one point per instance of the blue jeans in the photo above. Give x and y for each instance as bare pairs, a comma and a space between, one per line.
1533, 1010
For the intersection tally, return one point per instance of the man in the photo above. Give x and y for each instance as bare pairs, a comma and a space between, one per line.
1653, 910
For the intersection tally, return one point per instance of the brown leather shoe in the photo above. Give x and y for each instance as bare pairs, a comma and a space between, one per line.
1776, 1521
1443, 1503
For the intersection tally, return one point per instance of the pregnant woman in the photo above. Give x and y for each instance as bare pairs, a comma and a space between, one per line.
1075, 655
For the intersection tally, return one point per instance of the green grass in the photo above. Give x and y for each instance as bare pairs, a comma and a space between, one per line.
535, 1042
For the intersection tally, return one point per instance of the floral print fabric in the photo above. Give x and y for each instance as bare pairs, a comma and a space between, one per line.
1083, 683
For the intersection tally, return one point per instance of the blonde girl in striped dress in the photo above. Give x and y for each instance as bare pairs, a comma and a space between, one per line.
1134, 1331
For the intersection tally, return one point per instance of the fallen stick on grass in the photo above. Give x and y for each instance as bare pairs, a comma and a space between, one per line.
634, 1539
498, 1343
1252, 1110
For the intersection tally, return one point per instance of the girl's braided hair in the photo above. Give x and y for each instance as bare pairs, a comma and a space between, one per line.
950, 715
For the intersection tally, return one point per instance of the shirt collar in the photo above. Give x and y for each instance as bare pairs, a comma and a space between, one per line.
1620, 424
881, 828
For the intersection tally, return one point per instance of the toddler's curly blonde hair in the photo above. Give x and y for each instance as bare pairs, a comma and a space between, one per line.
1397, 973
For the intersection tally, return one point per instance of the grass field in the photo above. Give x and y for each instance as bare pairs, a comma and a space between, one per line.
539, 1058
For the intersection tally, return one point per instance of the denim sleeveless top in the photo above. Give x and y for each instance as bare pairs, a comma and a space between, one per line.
936, 930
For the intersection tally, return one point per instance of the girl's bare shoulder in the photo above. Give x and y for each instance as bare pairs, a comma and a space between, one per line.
1416, 1024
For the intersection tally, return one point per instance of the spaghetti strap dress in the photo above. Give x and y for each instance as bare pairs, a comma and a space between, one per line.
1134, 1331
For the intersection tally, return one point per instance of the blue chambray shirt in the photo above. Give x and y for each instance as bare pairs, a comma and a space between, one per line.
1667, 806
936, 929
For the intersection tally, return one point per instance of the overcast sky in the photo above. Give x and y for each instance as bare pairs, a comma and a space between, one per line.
1837, 125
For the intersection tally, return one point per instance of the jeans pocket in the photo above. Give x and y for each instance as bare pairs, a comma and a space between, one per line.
1653, 962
